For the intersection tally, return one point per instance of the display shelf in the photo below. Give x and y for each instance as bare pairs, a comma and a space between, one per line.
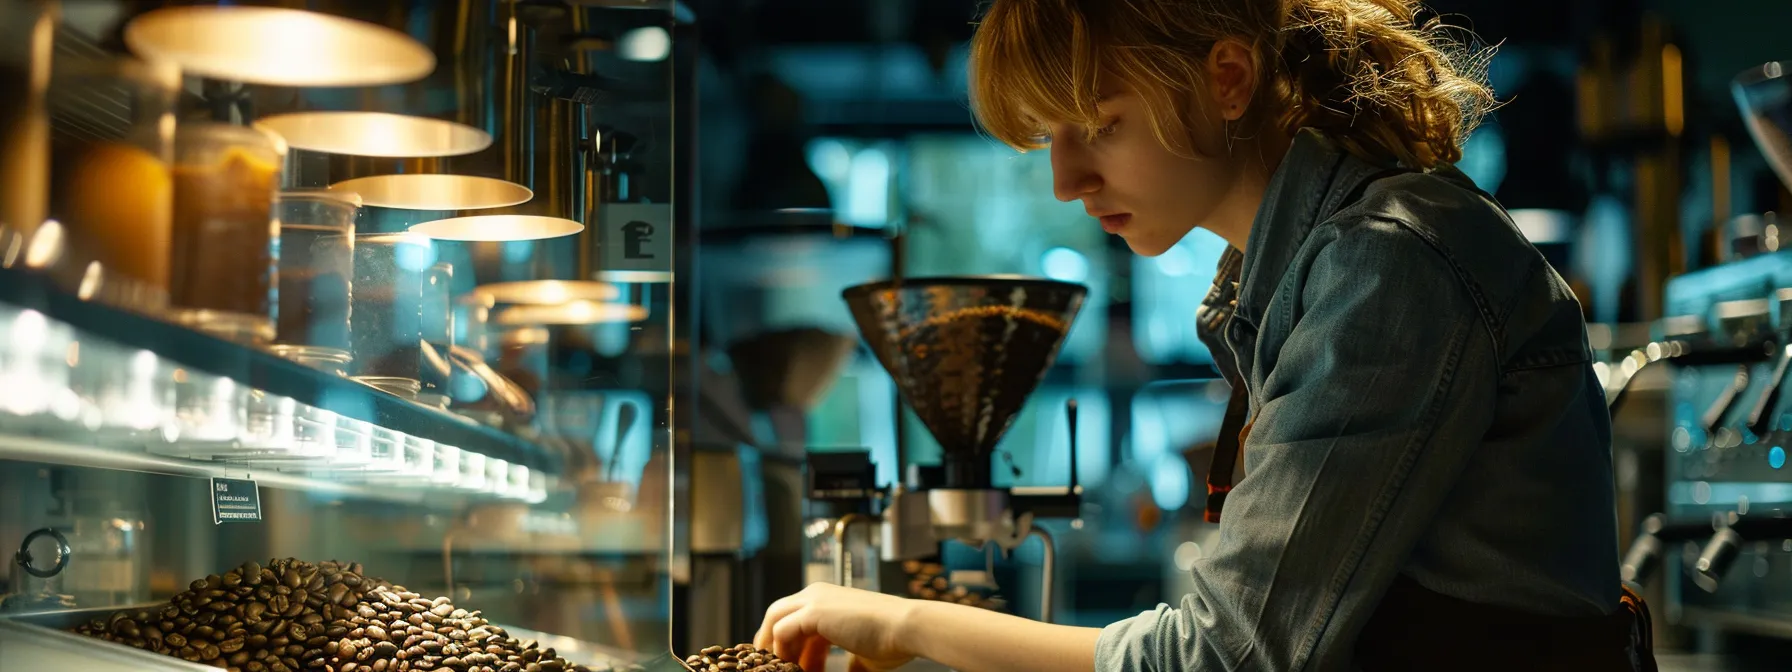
259, 371
343, 485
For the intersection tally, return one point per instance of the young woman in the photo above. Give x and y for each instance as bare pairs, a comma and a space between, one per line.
1428, 482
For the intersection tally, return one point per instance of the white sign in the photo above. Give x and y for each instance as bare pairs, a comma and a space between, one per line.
635, 236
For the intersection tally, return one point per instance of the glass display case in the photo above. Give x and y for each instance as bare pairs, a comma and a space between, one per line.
174, 496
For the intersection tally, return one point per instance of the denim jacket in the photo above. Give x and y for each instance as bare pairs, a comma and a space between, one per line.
1423, 404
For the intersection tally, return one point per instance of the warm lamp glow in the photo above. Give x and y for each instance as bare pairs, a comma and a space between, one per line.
281, 47
640, 277
381, 134
572, 312
498, 228
546, 292
424, 191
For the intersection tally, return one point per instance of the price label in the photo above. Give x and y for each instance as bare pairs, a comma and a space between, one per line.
235, 500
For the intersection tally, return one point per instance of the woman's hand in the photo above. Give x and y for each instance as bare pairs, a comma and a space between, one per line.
883, 633
802, 627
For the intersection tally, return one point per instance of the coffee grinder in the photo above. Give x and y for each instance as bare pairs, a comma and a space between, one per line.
965, 353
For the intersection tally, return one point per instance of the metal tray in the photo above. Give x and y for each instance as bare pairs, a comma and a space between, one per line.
41, 641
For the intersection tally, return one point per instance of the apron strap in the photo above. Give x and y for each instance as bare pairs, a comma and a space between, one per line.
1224, 460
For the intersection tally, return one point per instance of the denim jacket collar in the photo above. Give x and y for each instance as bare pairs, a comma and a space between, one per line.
1316, 179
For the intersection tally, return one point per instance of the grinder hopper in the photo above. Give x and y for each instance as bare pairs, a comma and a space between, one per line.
966, 352
1764, 96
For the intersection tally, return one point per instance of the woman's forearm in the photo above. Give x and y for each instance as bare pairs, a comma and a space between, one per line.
974, 640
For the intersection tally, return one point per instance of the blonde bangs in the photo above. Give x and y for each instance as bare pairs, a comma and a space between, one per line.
1030, 66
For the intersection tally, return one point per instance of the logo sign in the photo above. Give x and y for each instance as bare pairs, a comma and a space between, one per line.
635, 236
235, 500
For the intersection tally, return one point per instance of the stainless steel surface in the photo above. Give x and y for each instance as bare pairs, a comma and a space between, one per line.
1048, 572
842, 552
907, 530
41, 642
973, 516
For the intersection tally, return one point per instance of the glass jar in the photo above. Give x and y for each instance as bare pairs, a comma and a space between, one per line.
111, 188
472, 324
224, 266
437, 329
386, 308
317, 262
27, 30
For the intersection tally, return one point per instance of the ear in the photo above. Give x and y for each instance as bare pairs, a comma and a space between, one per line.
1231, 77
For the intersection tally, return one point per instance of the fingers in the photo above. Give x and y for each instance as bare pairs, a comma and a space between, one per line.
815, 654
773, 614
791, 634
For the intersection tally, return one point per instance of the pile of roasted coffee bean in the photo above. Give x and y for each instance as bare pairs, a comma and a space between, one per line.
927, 581
251, 619
395, 630
742, 658
294, 616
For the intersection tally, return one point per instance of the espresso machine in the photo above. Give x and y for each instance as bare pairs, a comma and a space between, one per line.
965, 353
1720, 551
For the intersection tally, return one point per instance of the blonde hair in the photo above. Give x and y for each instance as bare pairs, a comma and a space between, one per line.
1364, 72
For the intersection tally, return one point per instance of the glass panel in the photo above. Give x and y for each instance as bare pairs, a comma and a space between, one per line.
480, 481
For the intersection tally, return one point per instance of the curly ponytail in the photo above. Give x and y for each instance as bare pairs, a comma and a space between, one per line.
1363, 71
